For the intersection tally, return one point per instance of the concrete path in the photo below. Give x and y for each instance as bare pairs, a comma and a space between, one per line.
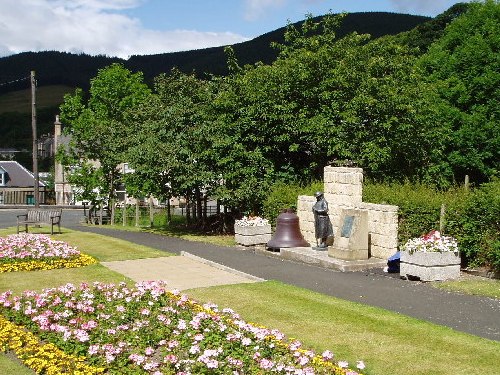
180, 272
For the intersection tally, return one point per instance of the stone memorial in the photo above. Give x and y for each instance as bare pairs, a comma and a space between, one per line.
351, 238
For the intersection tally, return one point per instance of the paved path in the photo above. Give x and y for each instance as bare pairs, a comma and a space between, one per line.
475, 315
180, 272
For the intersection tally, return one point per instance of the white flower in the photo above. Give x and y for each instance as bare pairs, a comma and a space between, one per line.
252, 221
431, 242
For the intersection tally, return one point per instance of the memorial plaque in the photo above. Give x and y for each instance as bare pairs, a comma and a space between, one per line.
347, 226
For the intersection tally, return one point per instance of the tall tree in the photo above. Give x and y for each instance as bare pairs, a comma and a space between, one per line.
103, 127
465, 64
169, 158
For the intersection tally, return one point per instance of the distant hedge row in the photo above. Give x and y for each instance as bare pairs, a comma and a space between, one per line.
472, 216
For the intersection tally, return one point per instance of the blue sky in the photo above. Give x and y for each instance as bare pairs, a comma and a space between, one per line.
137, 27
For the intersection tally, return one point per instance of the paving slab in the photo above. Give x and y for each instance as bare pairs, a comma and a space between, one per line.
322, 259
180, 272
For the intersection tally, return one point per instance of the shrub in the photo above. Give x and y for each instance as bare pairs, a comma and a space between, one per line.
283, 196
476, 225
471, 216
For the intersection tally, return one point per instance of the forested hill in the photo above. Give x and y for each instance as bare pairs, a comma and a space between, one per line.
76, 70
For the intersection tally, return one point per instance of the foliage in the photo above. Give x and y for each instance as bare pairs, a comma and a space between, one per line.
283, 196
102, 127
476, 225
465, 67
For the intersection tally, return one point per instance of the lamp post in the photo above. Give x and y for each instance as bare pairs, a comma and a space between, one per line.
35, 145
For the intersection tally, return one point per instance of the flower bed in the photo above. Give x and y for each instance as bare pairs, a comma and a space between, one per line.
431, 257
431, 242
27, 252
251, 221
146, 330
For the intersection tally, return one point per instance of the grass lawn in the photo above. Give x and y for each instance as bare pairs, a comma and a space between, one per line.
179, 230
478, 286
389, 343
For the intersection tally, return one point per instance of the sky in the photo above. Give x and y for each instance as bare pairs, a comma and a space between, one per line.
124, 28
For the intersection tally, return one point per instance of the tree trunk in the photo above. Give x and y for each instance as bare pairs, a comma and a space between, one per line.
151, 212
137, 212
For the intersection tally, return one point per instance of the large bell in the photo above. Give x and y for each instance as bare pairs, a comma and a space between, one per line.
287, 232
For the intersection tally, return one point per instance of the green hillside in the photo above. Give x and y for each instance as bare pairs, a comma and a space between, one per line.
46, 97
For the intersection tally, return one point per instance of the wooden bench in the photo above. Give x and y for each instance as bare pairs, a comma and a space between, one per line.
38, 216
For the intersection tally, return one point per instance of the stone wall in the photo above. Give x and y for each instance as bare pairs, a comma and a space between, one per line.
343, 188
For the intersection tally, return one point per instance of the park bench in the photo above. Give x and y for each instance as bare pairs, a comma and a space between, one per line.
38, 216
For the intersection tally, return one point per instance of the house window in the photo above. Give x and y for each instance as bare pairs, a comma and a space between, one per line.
2, 178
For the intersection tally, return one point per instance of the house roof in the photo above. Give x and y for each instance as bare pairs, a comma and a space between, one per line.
17, 175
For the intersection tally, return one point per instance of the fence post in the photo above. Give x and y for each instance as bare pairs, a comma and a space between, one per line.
151, 213
442, 219
124, 217
137, 212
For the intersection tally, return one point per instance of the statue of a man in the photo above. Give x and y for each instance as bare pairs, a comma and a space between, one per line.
321, 220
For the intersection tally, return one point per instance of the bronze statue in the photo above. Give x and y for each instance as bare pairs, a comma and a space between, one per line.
321, 221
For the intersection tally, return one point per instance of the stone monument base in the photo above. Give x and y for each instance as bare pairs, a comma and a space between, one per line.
348, 254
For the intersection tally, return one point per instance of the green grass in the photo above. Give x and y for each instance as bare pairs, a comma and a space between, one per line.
180, 231
389, 343
38, 280
9, 364
477, 286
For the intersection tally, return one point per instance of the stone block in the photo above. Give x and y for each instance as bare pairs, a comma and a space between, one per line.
383, 240
431, 266
381, 252
250, 236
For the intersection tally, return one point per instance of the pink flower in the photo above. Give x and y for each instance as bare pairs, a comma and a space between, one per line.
170, 358
360, 365
266, 364
343, 364
327, 355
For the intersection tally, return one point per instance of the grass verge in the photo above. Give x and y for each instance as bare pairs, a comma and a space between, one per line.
389, 343
478, 286
182, 232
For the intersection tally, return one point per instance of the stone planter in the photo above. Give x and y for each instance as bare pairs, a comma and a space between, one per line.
250, 236
430, 266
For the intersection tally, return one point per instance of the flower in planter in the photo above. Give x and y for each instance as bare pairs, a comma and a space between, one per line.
431, 242
251, 221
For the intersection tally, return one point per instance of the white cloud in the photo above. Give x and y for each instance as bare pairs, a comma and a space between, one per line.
93, 27
421, 6
255, 9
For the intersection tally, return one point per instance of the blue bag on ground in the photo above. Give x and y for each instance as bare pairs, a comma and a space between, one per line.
393, 263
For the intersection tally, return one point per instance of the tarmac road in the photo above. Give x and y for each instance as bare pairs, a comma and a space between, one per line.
478, 316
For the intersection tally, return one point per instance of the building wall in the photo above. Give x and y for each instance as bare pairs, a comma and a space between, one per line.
343, 188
